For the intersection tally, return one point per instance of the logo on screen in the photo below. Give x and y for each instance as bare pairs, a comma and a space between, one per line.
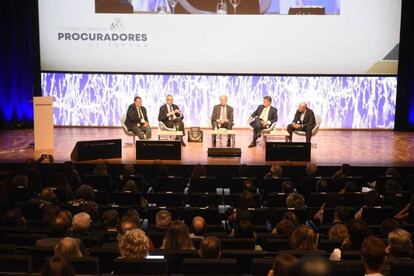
117, 25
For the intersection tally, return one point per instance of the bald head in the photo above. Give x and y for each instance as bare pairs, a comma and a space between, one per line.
198, 226
68, 247
302, 107
81, 222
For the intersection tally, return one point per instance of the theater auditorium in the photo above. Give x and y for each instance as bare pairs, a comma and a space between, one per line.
207, 137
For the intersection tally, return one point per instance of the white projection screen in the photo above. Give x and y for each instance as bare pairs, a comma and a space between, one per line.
327, 37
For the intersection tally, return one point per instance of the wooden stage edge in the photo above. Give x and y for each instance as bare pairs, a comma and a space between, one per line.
384, 148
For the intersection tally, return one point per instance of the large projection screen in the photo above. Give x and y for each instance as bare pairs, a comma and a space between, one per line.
329, 37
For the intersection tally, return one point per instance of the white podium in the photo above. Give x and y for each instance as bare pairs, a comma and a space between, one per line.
43, 123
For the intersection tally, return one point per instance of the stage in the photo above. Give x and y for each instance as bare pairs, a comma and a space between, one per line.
330, 147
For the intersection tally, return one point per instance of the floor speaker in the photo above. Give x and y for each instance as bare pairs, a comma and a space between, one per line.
98, 149
280, 151
163, 150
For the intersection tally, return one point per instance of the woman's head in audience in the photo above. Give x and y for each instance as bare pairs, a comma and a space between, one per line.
400, 244
244, 230
198, 171
163, 219
57, 266
282, 265
210, 248
303, 238
284, 229
68, 247
134, 244
338, 232
101, 169
85, 192
290, 216
177, 237
295, 200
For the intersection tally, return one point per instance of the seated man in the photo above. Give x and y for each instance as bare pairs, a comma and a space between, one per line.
137, 121
304, 121
171, 116
222, 117
264, 116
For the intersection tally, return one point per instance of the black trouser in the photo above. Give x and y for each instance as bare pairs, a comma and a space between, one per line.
257, 126
226, 125
178, 123
306, 129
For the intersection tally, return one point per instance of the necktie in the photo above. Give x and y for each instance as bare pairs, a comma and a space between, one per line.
140, 115
223, 114
170, 110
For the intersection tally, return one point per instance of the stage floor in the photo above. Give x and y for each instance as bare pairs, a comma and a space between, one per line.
330, 147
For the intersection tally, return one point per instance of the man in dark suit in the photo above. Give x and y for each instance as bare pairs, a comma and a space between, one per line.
304, 121
222, 117
137, 121
171, 116
264, 116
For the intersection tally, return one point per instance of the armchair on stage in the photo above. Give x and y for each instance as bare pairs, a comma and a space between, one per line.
315, 130
125, 129
170, 132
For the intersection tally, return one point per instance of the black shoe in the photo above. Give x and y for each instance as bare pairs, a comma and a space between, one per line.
228, 143
183, 144
252, 145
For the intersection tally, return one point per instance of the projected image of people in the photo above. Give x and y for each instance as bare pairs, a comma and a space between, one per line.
221, 7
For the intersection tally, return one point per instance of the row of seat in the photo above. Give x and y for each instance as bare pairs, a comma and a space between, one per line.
187, 263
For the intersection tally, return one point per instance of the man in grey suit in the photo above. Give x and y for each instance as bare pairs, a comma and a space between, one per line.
264, 116
222, 117
137, 121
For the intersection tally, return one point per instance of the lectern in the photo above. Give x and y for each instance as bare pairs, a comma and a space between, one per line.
43, 123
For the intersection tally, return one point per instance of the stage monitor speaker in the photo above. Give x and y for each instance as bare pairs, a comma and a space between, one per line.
99, 149
224, 152
280, 151
163, 150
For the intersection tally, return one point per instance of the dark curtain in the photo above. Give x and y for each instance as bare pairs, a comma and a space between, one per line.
404, 117
19, 67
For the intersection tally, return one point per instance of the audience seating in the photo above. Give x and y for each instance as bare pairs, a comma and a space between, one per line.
139, 267
209, 267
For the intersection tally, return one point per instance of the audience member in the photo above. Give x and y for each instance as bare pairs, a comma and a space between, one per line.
198, 228
303, 238
57, 266
81, 224
295, 200
163, 220
68, 247
283, 265
373, 255
134, 244
210, 248
84, 199
177, 237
